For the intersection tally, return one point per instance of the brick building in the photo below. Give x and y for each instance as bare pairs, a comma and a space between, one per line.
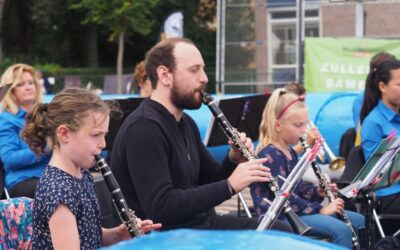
274, 46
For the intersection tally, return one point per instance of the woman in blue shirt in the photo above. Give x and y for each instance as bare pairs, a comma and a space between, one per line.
373, 64
380, 110
22, 167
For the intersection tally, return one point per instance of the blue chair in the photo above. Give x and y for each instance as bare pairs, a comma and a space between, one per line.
16, 223
15, 219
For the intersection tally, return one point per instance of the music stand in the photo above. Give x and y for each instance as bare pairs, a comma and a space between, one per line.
126, 106
3, 90
244, 113
376, 173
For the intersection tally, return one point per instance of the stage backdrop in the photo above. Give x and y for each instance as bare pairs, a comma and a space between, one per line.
341, 64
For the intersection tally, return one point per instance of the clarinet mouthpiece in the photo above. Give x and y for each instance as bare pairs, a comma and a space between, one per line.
206, 97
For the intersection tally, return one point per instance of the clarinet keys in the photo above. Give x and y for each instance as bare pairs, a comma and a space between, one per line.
126, 215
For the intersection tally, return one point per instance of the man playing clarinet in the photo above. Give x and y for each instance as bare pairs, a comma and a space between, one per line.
165, 171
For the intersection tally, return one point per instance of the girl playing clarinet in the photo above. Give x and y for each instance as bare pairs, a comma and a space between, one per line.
66, 212
284, 121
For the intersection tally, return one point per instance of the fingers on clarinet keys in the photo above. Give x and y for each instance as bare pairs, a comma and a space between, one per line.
247, 142
335, 207
241, 144
334, 188
340, 205
247, 173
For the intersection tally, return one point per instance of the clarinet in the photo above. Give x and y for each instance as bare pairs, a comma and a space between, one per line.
331, 196
291, 182
233, 135
126, 215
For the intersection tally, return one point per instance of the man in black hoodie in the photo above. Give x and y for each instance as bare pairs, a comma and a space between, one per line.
165, 171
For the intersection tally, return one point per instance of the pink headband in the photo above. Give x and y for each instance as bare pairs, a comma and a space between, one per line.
300, 98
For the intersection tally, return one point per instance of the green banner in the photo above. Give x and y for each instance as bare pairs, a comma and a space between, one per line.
341, 64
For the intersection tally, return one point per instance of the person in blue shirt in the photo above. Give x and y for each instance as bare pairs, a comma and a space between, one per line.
373, 64
22, 167
380, 116
380, 110
283, 123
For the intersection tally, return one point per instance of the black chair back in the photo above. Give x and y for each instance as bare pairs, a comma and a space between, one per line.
2, 184
354, 164
347, 142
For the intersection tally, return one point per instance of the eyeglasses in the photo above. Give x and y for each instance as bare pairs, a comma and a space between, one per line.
300, 98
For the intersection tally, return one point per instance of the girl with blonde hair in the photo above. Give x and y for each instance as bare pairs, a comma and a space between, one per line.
284, 121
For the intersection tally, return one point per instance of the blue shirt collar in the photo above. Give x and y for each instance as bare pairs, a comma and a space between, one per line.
21, 113
386, 111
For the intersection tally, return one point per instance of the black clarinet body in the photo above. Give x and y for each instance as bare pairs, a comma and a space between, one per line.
331, 196
126, 215
232, 134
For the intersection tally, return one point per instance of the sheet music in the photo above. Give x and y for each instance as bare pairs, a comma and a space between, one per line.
351, 190
380, 167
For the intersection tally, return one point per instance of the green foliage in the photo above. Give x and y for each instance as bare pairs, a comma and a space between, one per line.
198, 17
8, 61
52, 34
240, 55
118, 15
52, 69
55, 33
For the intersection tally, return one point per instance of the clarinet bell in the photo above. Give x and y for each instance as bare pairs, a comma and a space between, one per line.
298, 226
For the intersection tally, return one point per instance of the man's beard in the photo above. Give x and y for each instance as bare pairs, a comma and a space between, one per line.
187, 100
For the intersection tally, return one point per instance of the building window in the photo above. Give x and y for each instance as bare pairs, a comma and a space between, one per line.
283, 44
282, 41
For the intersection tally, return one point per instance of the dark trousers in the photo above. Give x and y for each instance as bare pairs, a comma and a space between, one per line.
25, 188
232, 222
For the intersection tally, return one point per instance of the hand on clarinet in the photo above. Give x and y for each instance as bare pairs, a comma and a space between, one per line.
148, 225
249, 172
235, 155
333, 187
312, 135
144, 226
335, 207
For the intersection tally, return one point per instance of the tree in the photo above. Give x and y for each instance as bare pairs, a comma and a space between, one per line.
121, 17
1, 22
55, 33
199, 26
